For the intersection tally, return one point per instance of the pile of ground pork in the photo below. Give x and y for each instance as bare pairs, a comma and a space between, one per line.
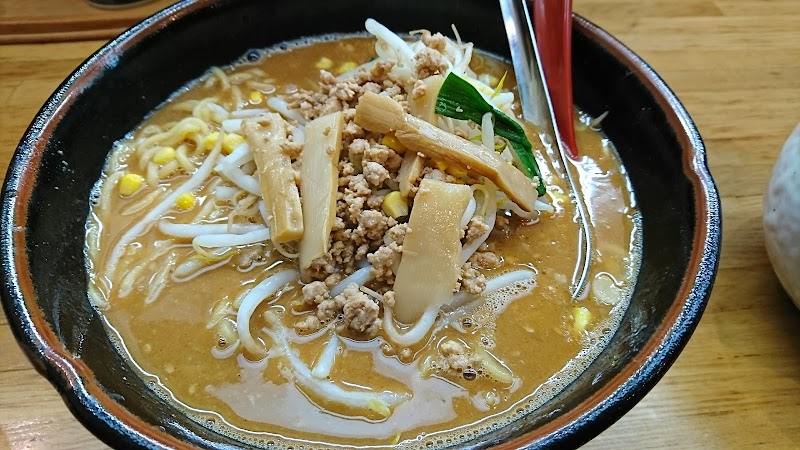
362, 230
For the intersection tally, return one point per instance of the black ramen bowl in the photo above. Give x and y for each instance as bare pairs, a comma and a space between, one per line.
46, 202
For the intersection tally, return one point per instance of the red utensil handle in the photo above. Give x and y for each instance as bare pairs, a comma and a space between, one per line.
552, 21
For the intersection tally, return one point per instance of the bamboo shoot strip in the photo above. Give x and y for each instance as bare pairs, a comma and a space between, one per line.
382, 115
319, 184
410, 170
266, 136
424, 106
430, 264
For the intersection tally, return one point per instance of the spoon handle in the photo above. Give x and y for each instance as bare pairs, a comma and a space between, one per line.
553, 28
537, 107
552, 21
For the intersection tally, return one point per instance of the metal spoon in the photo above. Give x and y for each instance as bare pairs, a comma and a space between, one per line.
537, 108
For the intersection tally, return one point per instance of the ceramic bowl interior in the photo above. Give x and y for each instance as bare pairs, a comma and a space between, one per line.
46, 200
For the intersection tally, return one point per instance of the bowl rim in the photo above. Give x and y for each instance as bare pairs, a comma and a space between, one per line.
110, 421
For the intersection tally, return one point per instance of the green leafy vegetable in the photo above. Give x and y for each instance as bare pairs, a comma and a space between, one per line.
460, 100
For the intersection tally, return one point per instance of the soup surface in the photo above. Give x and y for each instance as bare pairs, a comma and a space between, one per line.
188, 263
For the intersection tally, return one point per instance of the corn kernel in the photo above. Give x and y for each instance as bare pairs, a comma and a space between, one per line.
324, 63
163, 156
582, 318
186, 201
457, 171
441, 165
130, 183
346, 67
395, 204
256, 97
230, 142
390, 140
211, 140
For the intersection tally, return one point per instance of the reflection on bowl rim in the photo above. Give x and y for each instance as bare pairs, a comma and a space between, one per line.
112, 422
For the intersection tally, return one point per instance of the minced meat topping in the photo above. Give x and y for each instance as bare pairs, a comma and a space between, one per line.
363, 233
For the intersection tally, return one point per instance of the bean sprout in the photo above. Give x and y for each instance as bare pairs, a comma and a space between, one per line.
489, 218
239, 156
158, 282
232, 125
250, 302
231, 240
280, 105
359, 277
468, 213
139, 227
326, 359
413, 335
247, 182
246, 113
226, 352
329, 391
487, 131
189, 230
493, 284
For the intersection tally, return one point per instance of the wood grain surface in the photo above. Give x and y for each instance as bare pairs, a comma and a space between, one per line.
735, 64
32, 21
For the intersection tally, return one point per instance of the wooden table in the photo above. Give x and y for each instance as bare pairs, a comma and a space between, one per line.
736, 66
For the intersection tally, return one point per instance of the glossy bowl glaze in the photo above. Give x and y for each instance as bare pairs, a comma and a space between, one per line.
45, 202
